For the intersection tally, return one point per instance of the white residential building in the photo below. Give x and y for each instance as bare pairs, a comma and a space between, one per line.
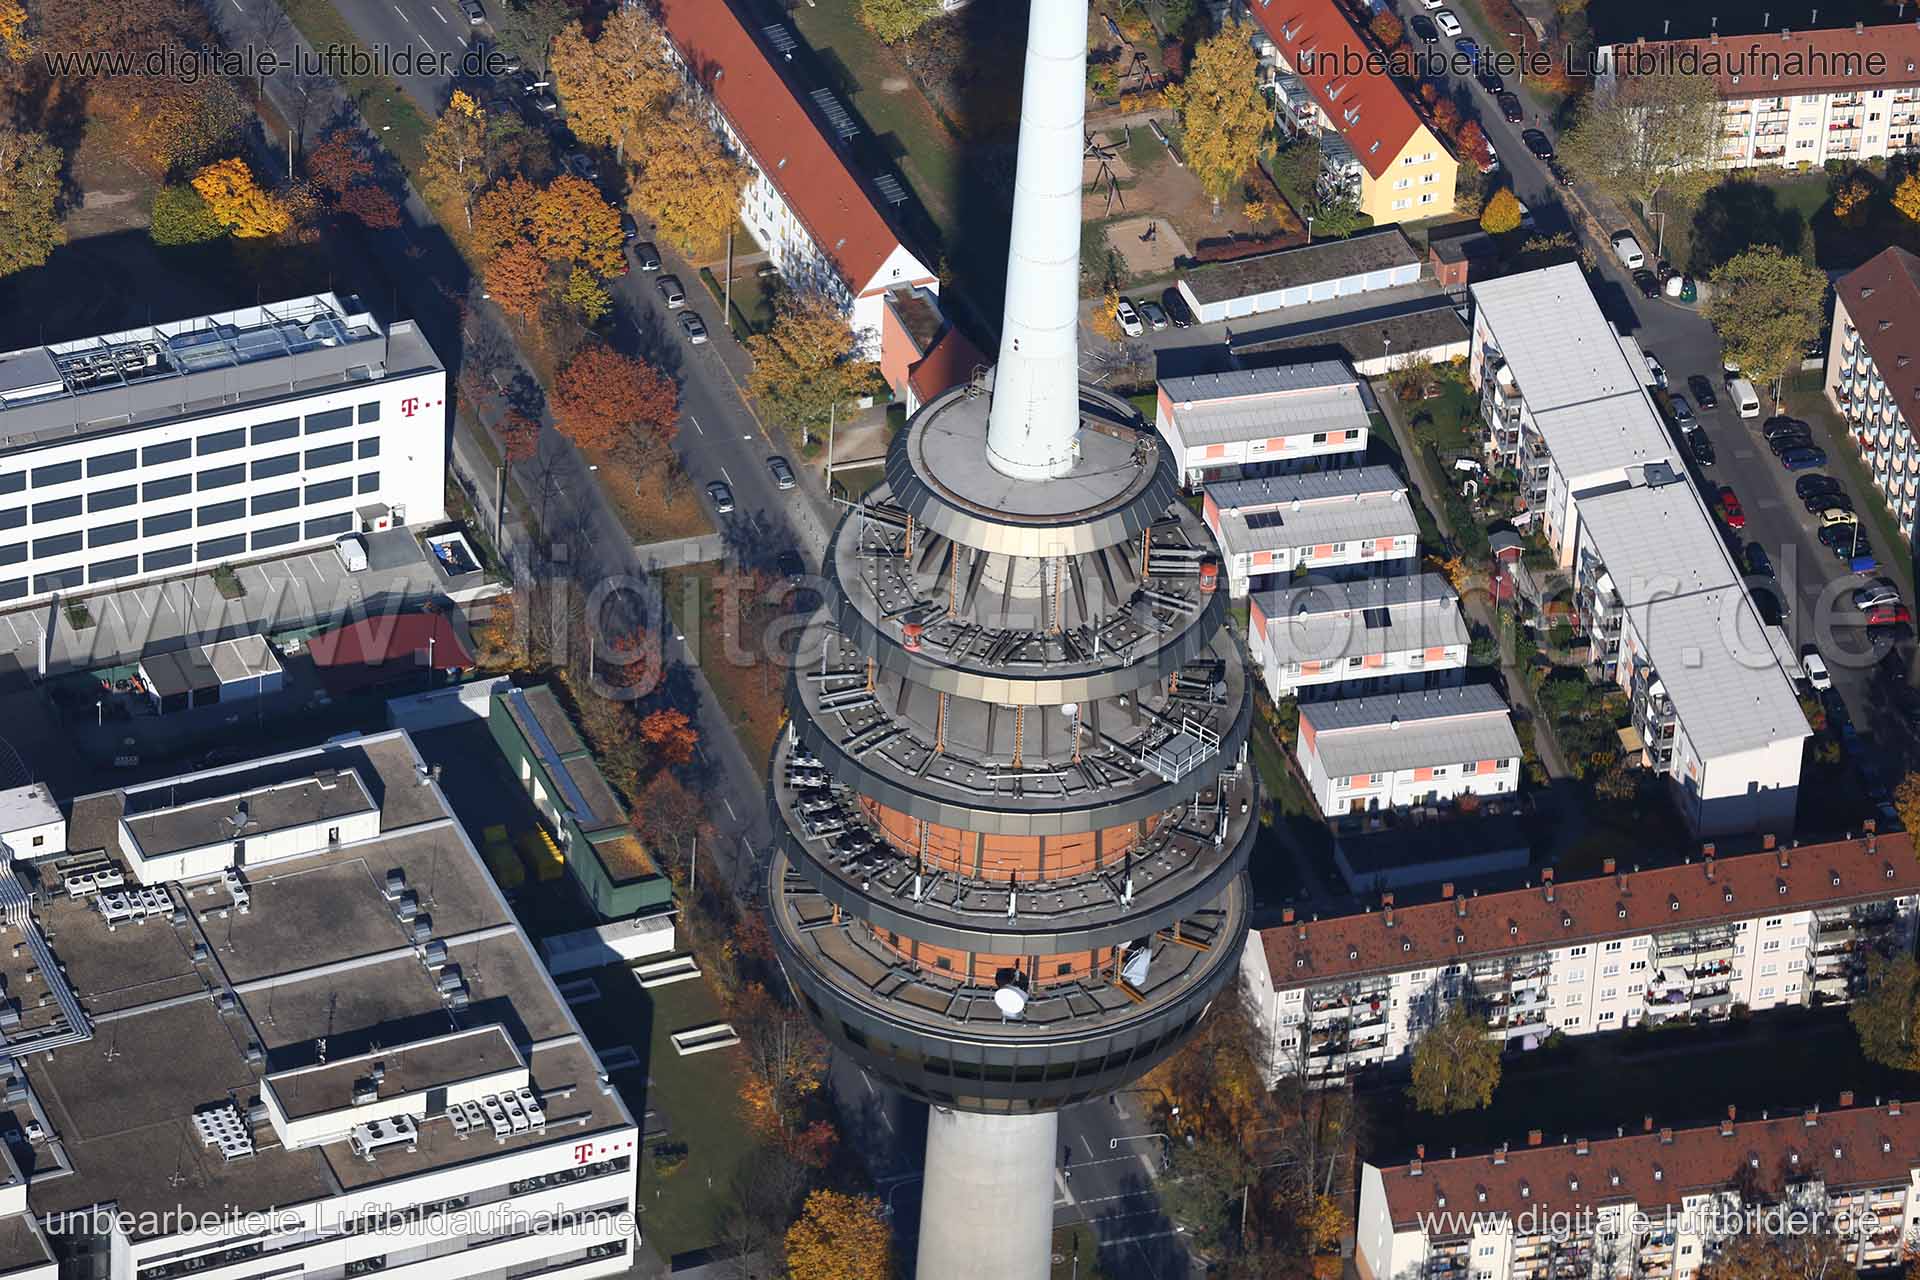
1392, 750
1796, 98
816, 219
178, 446
1564, 399
326, 1048
1346, 639
1873, 378
1254, 422
1761, 930
1655, 1204
1341, 524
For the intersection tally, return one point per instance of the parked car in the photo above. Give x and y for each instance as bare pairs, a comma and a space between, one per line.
1448, 23
1176, 307
1155, 317
1469, 46
789, 565
1682, 411
1810, 486
1845, 540
475, 15
1645, 282
646, 256
1816, 669
1490, 80
1878, 592
671, 292
1701, 446
581, 166
1781, 422
1757, 562
1130, 323
1703, 392
694, 327
1771, 602
722, 495
1655, 370
1803, 457
540, 105
1560, 173
782, 472
1510, 108
1538, 143
1835, 515
1628, 250
1786, 440
1423, 28
1432, 4
1889, 615
629, 229
1730, 509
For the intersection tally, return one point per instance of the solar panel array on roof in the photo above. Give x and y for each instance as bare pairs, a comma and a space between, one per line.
1265, 520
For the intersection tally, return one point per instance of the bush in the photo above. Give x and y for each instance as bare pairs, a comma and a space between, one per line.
181, 216
669, 1158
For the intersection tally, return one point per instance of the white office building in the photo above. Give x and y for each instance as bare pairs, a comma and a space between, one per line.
178, 446
1772, 928
1647, 1202
1339, 524
320, 1045
1348, 639
1665, 606
1395, 750
1253, 422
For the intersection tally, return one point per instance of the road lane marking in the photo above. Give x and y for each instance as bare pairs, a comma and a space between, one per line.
440, 15
1088, 1146
403, 15
696, 424
866, 1080
730, 812
725, 476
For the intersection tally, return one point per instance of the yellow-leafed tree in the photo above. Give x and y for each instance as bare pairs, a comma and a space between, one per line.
1906, 197
504, 216
617, 87
573, 221
839, 1237
29, 186
241, 205
14, 42
1224, 117
688, 182
455, 169
806, 362
1502, 213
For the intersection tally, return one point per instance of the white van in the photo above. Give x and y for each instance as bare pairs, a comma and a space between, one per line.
1629, 250
1744, 398
353, 554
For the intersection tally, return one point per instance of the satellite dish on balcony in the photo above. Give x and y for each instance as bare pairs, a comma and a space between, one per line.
1011, 1000
1069, 709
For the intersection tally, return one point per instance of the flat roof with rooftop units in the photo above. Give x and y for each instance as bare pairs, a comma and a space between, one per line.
302, 1030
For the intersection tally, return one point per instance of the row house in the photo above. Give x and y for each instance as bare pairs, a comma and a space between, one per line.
815, 218
1245, 423
1772, 927
1796, 99
1872, 379
1655, 1204
1340, 524
1397, 750
1346, 639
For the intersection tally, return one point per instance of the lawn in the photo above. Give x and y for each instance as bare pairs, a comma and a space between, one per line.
694, 1096
387, 111
644, 506
751, 690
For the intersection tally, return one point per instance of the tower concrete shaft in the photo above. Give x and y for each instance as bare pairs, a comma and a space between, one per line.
986, 1210
1036, 389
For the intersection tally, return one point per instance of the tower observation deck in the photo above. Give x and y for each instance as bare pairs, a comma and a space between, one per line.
1013, 803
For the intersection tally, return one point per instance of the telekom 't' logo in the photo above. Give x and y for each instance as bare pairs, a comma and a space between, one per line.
409, 406
582, 1152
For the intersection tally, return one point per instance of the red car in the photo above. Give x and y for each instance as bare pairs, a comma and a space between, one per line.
1730, 508
1887, 615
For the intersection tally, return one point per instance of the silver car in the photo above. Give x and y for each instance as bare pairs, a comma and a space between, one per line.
694, 327
671, 292
782, 472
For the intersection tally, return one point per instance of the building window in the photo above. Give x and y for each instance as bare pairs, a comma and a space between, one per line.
278, 536
169, 522
58, 509
113, 499
370, 447
105, 570
171, 558
107, 535
327, 526
369, 482
219, 548
330, 420
170, 487
370, 411
268, 432
13, 482
1426, 197
59, 580
329, 490
108, 464
56, 473
267, 503
221, 477
221, 441
329, 456
171, 451
58, 545
221, 512
268, 468
13, 553
1611, 946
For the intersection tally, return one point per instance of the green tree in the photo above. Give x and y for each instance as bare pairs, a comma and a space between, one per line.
1203, 1186
806, 363
1883, 1017
29, 189
528, 27
1224, 118
1502, 213
1336, 213
1767, 308
1652, 133
897, 20
181, 216
1456, 1064
587, 296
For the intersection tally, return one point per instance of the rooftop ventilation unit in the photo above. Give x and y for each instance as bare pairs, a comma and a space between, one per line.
220, 1126
396, 883
407, 905
449, 979
422, 928
366, 1140
434, 955
365, 1090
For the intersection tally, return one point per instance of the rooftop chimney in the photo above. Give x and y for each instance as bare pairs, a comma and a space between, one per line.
1768, 841
1533, 1137
1846, 1097
1446, 890
1035, 416
1546, 882
1646, 1125
1607, 866
1286, 915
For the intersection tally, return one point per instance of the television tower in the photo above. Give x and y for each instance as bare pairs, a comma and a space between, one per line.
1013, 798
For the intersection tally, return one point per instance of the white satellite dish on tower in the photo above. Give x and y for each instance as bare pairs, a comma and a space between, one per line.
1011, 1000
1069, 709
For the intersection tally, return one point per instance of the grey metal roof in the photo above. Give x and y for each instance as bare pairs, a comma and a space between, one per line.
1347, 597
1348, 619
1231, 421
1387, 732
1551, 331
1311, 486
1599, 436
1308, 264
1712, 655
1343, 519
1307, 375
1655, 541
1427, 327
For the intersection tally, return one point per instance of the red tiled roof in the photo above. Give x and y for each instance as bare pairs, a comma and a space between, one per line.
785, 142
1769, 66
949, 363
1875, 1146
354, 655
1882, 297
1385, 119
1729, 888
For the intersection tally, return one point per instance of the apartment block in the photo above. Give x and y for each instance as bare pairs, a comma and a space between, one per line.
1796, 98
1340, 524
1650, 1203
818, 221
294, 1028
1872, 378
1773, 927
1665, 607
1395, 750
1246, 423
183, 445
1328, 79
1347, 639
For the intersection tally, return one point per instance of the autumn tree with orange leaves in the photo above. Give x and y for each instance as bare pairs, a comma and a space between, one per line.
574, 223
516, 276
238, 202
670, 734
839, 1237
786, 1062
519, 436
613, 403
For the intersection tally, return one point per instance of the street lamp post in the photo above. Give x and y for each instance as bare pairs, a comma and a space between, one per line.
1309, 228
1659, 244
1521, 36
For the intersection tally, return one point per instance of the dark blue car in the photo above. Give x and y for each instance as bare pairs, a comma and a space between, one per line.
1803, 458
